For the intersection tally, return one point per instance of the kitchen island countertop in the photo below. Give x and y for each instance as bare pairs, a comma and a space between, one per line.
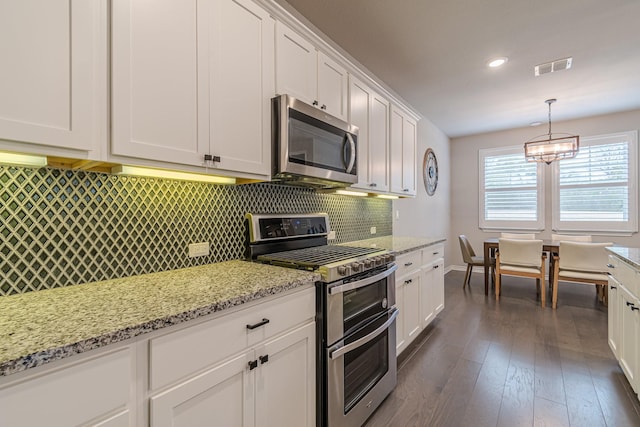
630, 255
43, 326
397, 244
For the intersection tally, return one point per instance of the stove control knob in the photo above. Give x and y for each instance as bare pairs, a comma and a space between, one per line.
379, 260
368, 263
390, 258
342, 270
356, 267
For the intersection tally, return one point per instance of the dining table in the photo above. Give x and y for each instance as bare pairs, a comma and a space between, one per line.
491, 245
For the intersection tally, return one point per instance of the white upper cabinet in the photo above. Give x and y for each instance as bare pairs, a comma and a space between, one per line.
369, 111
53, 73
403, 138
193, 78
308, 74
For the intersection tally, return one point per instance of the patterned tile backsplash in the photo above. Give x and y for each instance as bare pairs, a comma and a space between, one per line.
61, 227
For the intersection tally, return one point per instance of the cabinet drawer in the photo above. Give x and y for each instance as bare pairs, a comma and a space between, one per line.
432, 253
625, 274
408, 262
187, 351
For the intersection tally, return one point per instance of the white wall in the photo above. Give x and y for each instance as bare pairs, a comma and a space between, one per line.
427, 216
464, 175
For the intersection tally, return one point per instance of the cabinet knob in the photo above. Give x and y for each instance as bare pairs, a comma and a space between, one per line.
406, 190
264, 359
436, 266
611, 266
210, 158
253, 364
324, 107
406, 282
373, 184
408, 264
315, 102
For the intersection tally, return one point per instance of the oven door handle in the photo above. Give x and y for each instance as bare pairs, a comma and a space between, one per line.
339, 351
364, 282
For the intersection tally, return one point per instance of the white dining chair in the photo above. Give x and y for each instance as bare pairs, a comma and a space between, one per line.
581, 262
526, 236
518, 257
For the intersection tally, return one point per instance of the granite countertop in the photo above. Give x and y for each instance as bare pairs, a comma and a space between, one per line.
43, 326
630, 255
397, 244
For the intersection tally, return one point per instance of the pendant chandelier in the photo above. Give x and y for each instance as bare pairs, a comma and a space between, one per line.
550, 147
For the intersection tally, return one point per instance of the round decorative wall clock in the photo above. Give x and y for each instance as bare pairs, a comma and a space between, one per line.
430, 171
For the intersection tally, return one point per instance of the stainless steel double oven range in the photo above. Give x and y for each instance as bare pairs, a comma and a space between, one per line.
356, 313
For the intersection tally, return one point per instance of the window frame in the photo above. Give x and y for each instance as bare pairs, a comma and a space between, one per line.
611, 228
515, 225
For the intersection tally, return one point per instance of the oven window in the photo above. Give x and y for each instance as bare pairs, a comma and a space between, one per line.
366, 365
362, 304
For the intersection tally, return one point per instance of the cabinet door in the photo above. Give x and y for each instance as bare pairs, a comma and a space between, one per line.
222, 396
285, 383
332, 87
379, 142
158, 66
427, 295
403, 136
412, 323
613, 316
409, 139
400, 329
96, 391
241, 55
359, 115
53, 69
296, 65
629, 329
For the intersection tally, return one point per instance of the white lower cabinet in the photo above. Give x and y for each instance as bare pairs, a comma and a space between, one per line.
270, 382
613, 315
419, 292
272, 385
88, 391
249, 367
624, 318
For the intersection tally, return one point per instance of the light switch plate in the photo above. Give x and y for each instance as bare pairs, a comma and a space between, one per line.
373, 230
198, 249
332, 235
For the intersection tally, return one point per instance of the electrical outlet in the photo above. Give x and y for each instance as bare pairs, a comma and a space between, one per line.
198, 249
397, 214
373, 230
332, 235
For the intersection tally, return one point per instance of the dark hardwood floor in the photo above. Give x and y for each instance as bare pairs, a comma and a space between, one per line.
511, 363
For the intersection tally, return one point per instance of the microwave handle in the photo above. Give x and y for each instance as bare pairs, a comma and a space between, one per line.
352, 157
362, 341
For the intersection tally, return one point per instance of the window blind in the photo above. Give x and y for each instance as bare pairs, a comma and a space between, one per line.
510, 188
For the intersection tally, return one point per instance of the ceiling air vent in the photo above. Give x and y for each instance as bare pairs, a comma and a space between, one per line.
550, 67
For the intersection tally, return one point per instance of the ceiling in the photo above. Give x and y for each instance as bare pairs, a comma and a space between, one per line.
433, 53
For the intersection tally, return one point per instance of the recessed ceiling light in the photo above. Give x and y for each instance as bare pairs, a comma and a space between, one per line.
497, 62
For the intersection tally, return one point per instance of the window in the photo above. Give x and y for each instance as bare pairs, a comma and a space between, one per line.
511, 190
596, 191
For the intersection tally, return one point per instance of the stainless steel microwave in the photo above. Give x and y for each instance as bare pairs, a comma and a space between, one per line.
312, 147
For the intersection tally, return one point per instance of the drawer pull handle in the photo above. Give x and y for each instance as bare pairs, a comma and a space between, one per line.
436, 266
436, 253
257, 325
629, 304
408, 281
408, 264
614, 287
253, 364
634, 308
264, 359
611, 266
